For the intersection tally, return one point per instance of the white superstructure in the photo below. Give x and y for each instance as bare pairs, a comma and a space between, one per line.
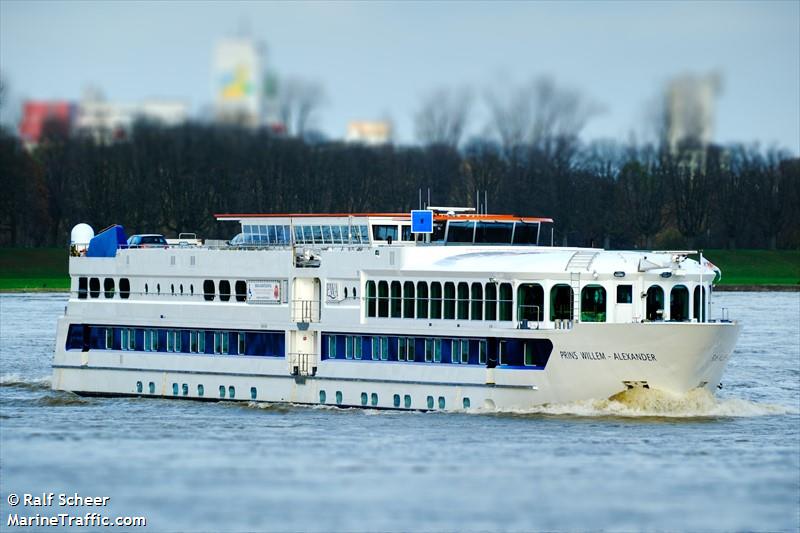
356, 310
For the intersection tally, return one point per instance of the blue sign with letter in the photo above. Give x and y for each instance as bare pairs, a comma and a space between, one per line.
421, 221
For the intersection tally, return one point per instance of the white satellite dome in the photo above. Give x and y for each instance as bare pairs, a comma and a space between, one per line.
81, 234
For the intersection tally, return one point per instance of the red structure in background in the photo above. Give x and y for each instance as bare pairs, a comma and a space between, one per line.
38, 115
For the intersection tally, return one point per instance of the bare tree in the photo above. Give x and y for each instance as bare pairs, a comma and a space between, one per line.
539, 113
298, 101
443, 116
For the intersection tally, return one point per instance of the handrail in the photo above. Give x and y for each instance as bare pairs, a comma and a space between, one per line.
305, 311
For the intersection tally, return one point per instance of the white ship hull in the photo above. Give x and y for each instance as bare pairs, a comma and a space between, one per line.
590, 361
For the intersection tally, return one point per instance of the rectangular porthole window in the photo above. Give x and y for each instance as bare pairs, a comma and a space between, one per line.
200, 390
441, 402
407, 401
222, 391
332, 347
430, 402
254, 393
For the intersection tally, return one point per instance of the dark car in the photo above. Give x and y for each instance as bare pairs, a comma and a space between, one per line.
147, 241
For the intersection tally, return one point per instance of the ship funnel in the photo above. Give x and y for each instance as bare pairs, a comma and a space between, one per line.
79, 238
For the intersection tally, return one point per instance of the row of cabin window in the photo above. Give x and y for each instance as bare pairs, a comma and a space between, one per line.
184, 390
448, 300
476, 301
90, 287
516, 352
240, 288
306, 234
85, 337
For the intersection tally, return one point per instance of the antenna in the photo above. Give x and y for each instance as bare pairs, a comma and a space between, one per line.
486, 202
420, 197
429, 198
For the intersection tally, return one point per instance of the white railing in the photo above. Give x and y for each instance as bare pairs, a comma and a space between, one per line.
305, 311
302, 364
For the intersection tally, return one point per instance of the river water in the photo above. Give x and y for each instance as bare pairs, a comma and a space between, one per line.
647, 461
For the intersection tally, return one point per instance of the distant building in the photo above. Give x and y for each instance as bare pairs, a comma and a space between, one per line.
236, 72
45, 117
374, 132
689, 110
108, 121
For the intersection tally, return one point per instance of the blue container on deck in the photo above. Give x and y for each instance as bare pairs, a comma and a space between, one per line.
105, 243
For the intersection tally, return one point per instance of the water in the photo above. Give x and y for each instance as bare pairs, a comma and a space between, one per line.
641, 461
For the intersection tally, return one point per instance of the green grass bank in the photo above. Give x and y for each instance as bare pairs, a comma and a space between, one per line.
45, 269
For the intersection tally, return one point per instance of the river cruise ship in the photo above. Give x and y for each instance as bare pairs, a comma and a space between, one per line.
454, 311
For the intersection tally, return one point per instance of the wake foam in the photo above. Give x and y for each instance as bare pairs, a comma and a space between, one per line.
24, 382
639, 402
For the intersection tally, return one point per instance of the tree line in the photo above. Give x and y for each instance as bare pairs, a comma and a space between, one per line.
602, 194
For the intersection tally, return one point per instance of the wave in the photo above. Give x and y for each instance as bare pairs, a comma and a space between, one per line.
25, 382
647, 403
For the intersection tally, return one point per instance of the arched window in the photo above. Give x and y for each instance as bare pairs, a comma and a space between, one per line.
383, 299
506, 301
241, 290
449, 300
208, 290
700, 303
372, 302
225, 290
408, 299
396, 299
476, 300
490, 304
679, 303
436, 300
655, 303
422, 299
561, 302
530, 302
345, 293
593, 304
463, 301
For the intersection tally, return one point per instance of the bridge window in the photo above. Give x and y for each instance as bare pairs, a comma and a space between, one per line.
463, 301
208, 290
700, 303
82, 288
561, 296
679, 303
436, 300
490, 304
624, 294
476, 299
530, 302
371, 299
493, 232
108, 287
408, 299
94, 287
593, 304
422, 299
526, 233
383, 299
241, 291
396, 299
383, 232
655, 303
460, 232
224, 290
449, 300
506, 301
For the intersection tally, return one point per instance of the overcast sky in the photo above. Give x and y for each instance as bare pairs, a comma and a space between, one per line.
376, 60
